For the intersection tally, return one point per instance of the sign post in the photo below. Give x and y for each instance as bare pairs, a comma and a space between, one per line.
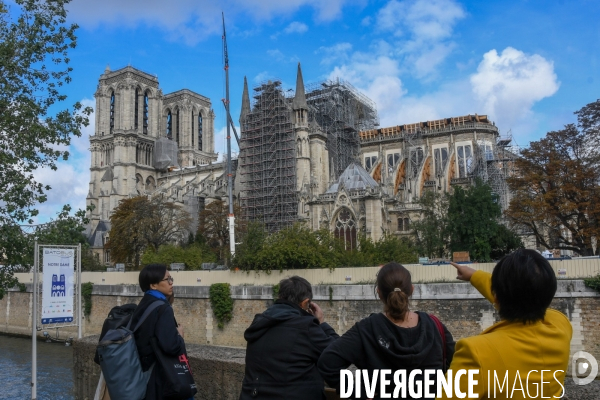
34, 324
61, 266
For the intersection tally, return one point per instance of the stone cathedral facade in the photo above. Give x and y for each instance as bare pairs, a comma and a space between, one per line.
141, 136
149, 143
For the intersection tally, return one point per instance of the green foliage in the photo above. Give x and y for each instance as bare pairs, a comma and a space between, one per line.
473, 224
17, 246
276, 291
140, 223
213, 226
392, 248
192, 256
298, 247
221, 302
593, 283
86, 295
247, 253
431, 229
34, 133
555, 194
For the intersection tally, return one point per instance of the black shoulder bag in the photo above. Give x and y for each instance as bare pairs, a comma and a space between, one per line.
177, 374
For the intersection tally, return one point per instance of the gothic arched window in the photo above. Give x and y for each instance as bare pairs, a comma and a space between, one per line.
146, 112
169, 125
136, 108
112, 111
177, 127
199, 131
193, 129
345, 229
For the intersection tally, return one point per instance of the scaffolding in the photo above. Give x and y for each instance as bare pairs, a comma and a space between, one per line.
342, 112
268, 149
495, 165
267, 159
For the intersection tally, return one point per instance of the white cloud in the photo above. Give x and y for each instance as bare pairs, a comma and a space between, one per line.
277, 55
423, 31
70, 182
338, 52
507, 85
192, 20
377, 75
423, 20
296, 27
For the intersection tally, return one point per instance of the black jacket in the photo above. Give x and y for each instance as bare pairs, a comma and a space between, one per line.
160, 324
284, 344
377, 343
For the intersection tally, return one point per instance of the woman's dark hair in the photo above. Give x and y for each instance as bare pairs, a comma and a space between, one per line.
152, 273
524, 284
394, 276
295, 289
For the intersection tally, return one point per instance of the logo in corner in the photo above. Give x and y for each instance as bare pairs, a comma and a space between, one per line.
583, 364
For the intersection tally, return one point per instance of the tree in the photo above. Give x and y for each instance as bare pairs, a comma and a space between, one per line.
556, 191
388, 248
213, 226
473, 223
251, 243
139, 223
431, 229
296, 247
34, 44
192, 256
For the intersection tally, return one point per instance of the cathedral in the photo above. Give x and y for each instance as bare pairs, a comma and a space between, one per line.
315, 155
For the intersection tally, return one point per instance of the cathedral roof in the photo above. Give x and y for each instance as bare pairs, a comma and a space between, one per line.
108, 175
354, 177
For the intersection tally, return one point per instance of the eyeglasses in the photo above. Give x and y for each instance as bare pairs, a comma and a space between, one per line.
169, 279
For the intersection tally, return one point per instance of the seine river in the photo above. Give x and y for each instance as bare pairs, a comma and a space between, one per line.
54, 365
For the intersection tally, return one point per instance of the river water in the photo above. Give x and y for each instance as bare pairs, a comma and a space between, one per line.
54, 367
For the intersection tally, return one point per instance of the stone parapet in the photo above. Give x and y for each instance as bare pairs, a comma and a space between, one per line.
218, 371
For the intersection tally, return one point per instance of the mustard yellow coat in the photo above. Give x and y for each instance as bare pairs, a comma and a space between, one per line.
522, 350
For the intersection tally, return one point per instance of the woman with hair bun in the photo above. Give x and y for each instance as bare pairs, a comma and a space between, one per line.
396, 339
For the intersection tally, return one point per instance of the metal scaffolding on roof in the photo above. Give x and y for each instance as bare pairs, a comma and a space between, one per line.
495, 165
267, 159
342, 112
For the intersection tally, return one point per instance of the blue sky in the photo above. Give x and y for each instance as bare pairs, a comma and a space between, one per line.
528, 65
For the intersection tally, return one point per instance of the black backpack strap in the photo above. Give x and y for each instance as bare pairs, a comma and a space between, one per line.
153, 306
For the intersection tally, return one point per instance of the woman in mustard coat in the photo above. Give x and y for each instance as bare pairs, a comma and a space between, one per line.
526, 354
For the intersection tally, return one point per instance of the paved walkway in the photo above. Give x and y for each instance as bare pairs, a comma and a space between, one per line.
587, 392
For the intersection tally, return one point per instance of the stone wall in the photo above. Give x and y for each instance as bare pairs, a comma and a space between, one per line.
458, 305
218, 371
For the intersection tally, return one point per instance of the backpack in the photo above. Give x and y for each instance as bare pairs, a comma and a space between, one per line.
120, 361
117, 317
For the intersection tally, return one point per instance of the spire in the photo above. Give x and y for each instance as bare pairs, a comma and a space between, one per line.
245, 102
300, 98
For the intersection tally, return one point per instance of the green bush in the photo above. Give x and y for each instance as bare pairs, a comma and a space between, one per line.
192, 256
593, 283
221, 303
86, 295
276, 291
298, 247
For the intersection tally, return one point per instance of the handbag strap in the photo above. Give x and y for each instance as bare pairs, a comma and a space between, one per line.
440, 329
153, 306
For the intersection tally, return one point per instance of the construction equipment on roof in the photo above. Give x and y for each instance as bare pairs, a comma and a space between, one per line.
342, 112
